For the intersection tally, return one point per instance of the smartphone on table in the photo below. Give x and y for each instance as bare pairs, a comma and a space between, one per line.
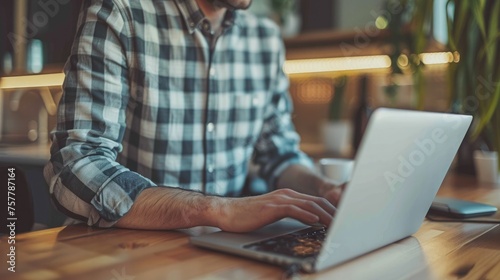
461, 209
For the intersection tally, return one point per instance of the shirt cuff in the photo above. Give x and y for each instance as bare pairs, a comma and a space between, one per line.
275, 169
116, 198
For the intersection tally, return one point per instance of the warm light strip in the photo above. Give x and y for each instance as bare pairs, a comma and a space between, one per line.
436, 58
334, 64
30, 81
299, 66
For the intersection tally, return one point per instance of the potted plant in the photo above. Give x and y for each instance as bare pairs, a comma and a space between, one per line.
337, 131
474, 82
284, 13
410, 34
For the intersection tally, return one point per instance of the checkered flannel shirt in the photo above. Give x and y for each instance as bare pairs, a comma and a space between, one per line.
148, 102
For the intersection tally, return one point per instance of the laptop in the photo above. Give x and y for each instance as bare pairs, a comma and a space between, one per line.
402, 161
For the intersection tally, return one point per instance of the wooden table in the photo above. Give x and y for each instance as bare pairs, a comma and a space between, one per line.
436, 251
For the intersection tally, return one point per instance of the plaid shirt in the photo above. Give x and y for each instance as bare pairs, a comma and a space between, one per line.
149, 101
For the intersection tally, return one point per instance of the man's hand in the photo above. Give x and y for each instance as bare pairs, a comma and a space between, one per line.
331, 191
172, 208
305, 180
251, 213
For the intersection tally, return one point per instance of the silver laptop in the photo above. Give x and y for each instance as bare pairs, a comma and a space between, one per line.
403, 159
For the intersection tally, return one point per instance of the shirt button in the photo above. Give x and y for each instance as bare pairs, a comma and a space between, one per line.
210, 127
210, 168
212, 72
206, 27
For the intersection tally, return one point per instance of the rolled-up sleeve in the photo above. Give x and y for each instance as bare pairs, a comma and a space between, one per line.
84, 178
278, 145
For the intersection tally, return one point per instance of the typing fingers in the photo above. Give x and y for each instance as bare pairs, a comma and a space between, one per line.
296, 203
321, 201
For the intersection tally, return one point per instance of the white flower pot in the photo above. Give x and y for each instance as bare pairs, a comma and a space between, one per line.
337, 137
486, 164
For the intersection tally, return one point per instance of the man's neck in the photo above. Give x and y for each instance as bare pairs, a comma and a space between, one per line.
214, 14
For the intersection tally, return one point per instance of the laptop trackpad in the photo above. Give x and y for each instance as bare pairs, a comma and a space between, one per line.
228, 239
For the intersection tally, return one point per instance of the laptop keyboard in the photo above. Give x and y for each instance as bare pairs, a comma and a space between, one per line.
302, 244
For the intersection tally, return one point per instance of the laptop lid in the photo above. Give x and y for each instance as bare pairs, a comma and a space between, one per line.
402, 161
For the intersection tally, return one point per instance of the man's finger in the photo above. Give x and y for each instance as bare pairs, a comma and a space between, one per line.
295, 212
322, 202
334, 196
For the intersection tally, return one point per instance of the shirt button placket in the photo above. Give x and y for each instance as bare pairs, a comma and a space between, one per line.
210, 128
210, 176
210, 135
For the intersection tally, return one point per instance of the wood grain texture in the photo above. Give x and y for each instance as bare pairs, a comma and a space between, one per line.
436, 251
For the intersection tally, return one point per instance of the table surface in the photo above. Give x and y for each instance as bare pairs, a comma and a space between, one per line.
437, 251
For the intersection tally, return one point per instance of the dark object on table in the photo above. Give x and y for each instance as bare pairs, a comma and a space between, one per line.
460, 209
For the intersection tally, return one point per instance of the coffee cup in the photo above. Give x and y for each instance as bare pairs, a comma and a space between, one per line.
486, 164
338, 170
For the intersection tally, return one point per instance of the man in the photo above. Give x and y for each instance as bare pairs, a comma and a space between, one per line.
165, 102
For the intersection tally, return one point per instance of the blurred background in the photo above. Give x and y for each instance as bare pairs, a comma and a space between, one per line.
345, 58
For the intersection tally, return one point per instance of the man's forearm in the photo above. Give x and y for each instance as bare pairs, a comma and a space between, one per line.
167, 208
171, 208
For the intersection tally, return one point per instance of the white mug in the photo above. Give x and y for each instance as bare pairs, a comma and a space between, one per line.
338, 170
486, 166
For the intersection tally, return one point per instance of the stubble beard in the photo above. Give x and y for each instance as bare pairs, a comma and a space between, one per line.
231, 4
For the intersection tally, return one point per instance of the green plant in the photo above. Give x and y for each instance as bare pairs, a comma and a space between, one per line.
337, 101
410, 30
474, 31
282, 7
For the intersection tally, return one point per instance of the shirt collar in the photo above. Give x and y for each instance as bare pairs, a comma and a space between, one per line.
193, 16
